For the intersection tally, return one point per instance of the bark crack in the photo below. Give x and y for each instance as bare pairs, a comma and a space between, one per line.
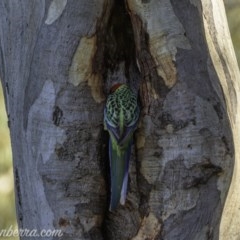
19, 197
115, 60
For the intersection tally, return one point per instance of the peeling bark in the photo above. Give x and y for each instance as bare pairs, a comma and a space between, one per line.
58, 61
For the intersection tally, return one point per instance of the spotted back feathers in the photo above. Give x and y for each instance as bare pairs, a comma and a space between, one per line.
124, 101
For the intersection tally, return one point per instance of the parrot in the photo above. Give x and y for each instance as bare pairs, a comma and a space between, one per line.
121, 114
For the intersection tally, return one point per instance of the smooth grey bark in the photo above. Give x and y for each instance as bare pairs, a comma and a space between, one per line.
58, 60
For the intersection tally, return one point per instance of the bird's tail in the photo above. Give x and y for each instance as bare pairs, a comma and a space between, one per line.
119, 166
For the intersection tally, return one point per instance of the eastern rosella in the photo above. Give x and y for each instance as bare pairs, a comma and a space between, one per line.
121, 115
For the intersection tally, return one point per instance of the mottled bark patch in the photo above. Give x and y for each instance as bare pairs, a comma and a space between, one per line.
55, 10
158, 34
150, 228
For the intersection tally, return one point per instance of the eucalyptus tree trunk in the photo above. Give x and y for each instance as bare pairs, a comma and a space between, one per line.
58, 61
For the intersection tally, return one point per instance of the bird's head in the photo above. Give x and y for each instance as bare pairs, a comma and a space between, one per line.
115, 87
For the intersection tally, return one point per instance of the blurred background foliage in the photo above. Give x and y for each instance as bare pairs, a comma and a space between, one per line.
7, 206
233, 15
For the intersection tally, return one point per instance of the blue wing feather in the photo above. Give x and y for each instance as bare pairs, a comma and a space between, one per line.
119, 167
125, 180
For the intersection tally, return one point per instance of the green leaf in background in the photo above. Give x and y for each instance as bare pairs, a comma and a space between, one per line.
7, 206
233, 15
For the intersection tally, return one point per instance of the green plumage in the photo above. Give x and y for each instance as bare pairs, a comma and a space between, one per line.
120, 117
